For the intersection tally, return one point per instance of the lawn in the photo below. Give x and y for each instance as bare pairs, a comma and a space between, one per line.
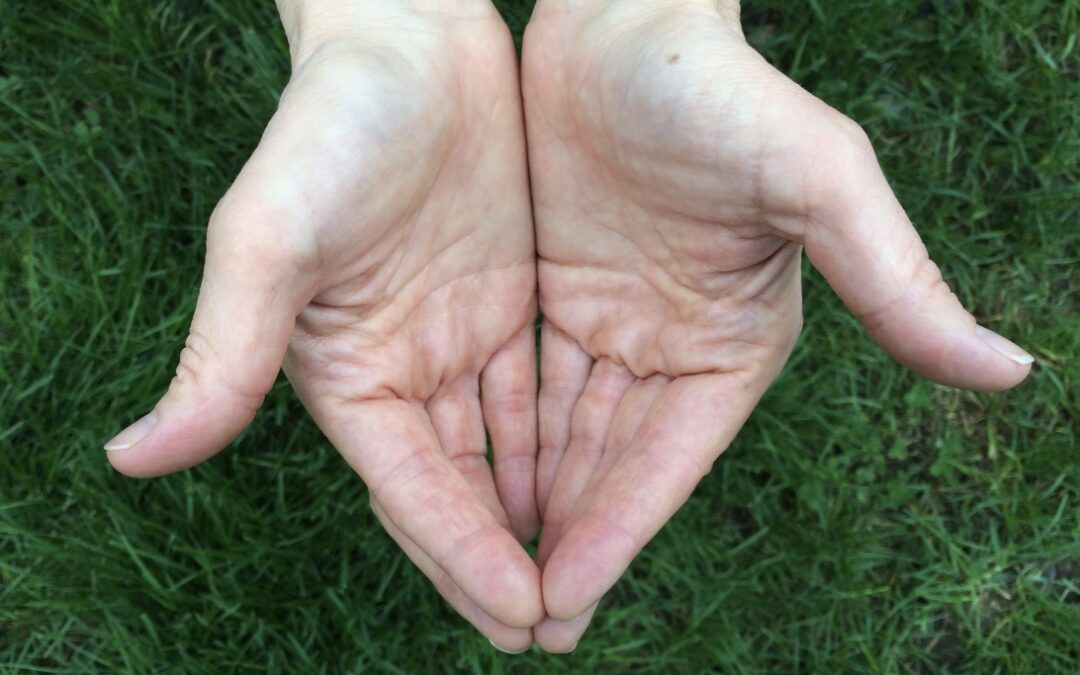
864, 520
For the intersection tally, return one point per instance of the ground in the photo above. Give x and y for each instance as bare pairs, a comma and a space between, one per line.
864, 520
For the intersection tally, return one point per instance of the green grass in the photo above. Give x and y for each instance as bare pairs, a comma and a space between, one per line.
863, 521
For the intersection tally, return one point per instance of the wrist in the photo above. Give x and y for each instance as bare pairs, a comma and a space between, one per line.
571, 6
311, 24
728, 10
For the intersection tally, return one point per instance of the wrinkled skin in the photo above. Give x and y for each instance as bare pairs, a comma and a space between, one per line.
676, 178
379, 242
378, 246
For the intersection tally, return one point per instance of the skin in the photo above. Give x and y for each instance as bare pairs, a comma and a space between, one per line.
676, 179
378, 246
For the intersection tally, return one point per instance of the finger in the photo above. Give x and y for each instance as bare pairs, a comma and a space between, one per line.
508, 397
251, 293
589, 426
396, 453
564, 369
874, 259
623, 425
684, 431
631, 412
562, 637
507, 638
455, 416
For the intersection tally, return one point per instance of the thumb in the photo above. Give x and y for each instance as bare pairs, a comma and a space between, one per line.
242, 325
871, 255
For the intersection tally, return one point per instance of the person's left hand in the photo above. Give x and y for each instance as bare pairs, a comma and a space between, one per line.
676, 177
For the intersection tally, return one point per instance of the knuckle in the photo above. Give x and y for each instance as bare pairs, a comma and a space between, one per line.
194, 357
409, 469
924, 281
515, 402
846, 138
854, 135
524, 464
843, 157
197, 371
849, 143
257, 234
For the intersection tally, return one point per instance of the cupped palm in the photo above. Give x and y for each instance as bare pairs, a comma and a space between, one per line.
676, 178
379, 244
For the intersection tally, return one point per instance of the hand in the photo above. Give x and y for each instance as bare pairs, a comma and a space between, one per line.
379, 241
676, 177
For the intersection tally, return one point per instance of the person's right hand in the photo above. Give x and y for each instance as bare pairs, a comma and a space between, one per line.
676, 178
379, 240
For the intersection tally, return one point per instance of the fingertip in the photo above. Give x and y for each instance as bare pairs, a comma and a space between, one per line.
558, 604
562, 598
562, 637
130, 465
524, 527
931, 333
122, 450
505, 582
134, 433
511, 649
132, 451
1019, 362
176, 435
520, 604
588, 559
969, 358
502, 637
155, 456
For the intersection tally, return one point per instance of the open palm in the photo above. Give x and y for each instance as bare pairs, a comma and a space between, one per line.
379, 244
676, 178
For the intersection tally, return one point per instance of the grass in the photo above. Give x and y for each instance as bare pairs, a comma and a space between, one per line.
865, 520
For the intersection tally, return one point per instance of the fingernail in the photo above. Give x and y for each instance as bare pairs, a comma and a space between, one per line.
1004, 347
506, 651
136, 432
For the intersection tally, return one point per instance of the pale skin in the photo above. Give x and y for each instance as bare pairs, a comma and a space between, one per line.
379, 246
